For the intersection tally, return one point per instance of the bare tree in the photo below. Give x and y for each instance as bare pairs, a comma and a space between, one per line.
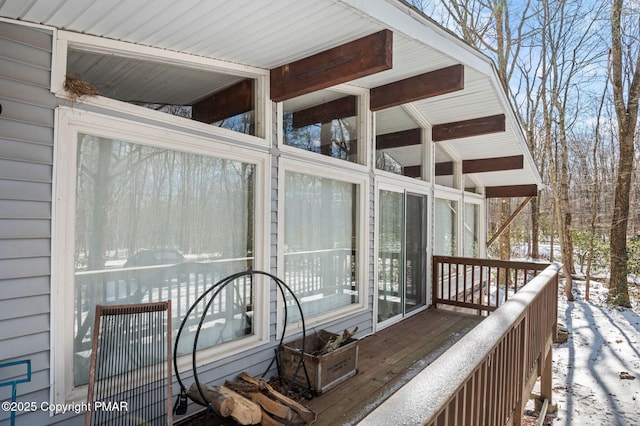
624, 74
489, 26
594, 196
567, 46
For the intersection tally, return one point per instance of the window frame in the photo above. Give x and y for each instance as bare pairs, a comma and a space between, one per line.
449, 194
324, 171
478, 200
426, 151
71, 122
66, 40
363, 118
403, 185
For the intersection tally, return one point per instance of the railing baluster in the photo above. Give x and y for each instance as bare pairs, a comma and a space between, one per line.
442, 280
453, 281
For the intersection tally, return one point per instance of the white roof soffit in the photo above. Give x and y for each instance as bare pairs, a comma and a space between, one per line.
483, 94
269, 34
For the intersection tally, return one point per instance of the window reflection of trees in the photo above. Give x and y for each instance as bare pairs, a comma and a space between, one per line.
337, 139
132, 196
387, 163
241, 123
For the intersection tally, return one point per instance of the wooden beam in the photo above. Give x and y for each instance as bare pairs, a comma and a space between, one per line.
399, 139
359, 58
511, 191
510, 219
444, 169
493, 164
467, 128
229, 102
423, 86
412, 171
325, 113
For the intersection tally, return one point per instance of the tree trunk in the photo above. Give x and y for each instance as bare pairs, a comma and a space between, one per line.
504, 239
627, 114
535, 227
618, 287
564, 215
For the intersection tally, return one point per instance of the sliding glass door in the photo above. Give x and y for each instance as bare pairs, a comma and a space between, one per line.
402, 253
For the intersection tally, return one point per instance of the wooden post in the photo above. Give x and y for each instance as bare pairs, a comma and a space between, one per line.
546, 384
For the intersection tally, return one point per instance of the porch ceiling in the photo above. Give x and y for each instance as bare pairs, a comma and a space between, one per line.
269, 34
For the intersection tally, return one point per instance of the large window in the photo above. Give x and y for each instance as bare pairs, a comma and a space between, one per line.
322, 252
218, 93
325, 122
471, 230
153, 223
446, 227
399, 147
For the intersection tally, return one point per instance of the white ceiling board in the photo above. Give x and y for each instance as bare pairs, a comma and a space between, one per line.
265, 35
393, 120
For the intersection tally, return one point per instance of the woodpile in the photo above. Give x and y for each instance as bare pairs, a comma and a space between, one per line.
252, 401
336, 342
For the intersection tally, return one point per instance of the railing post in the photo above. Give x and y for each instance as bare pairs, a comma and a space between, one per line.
523, 349
546, 391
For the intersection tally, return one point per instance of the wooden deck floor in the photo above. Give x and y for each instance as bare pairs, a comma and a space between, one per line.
387, 360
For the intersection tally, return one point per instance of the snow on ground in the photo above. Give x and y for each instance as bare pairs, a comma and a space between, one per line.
592, 371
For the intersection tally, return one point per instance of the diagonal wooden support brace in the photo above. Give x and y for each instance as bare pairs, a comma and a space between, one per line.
509, 220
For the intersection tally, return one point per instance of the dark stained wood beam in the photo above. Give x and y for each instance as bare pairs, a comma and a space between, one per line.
508, 191
492, 164
467, 128
399, 139
412, 171
229, 102
359, 58
423, 86
444, 169
325, 113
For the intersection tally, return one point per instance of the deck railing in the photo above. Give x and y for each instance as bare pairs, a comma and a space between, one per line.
309, 274
479, 284
486, 378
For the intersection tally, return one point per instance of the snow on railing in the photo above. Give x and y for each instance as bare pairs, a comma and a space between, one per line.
488, 375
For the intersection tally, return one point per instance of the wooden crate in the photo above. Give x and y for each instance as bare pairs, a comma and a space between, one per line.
325, 371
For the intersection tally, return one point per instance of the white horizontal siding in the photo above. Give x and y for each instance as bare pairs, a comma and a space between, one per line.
25, 151
16, 70
18, 170
21, 111
24, 132
24, 287
24, 209
24, 191
26, 155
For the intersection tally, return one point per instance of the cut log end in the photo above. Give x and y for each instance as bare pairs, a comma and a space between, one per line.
220, 402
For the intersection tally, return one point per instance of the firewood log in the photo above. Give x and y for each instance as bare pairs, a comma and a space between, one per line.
270, 406
221, 402
337, 341
267, 420
307, 416
253, 392
246, 412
